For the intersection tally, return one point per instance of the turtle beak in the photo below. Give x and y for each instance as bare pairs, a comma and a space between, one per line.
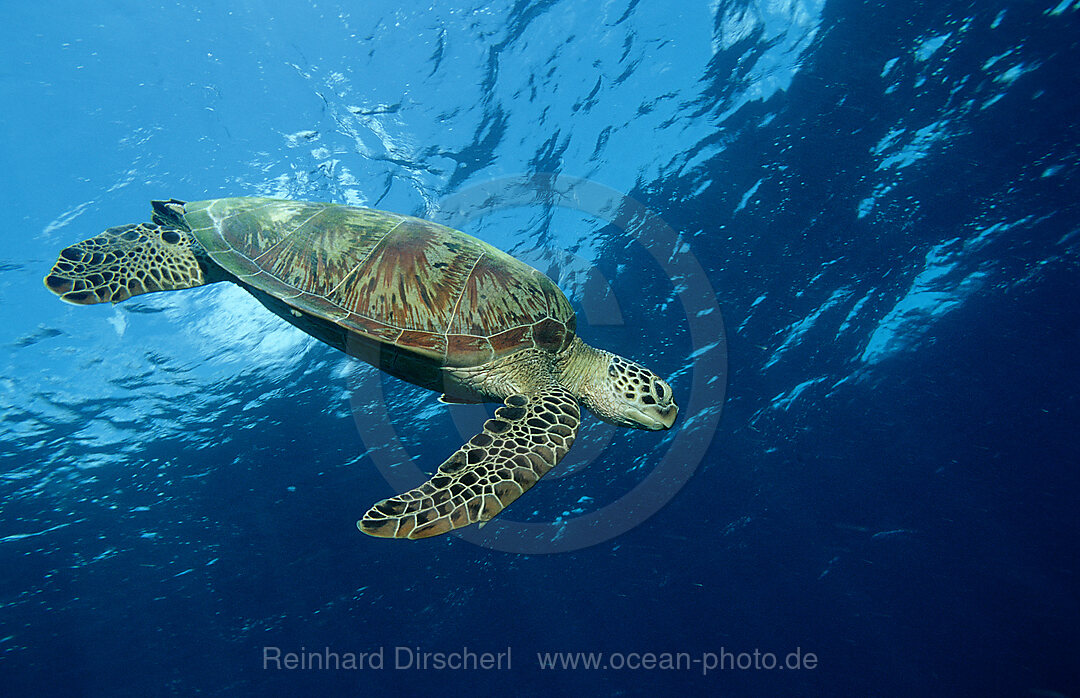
667, 415
656, 417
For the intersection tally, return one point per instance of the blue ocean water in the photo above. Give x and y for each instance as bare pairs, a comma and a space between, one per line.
875, 462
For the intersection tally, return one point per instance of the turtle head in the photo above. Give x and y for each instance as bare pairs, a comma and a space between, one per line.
125, 261
619, 391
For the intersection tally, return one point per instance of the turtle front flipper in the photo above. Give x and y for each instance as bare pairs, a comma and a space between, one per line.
125, 261
528, 436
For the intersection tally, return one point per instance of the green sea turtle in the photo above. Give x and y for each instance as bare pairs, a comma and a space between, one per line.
424, 302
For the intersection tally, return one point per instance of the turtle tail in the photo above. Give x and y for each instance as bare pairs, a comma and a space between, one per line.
125, 261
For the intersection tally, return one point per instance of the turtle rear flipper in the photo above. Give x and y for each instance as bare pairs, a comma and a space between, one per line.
125, 261
526, 439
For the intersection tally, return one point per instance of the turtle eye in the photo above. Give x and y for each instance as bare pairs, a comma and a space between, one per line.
659, 389
171, 236
611, 370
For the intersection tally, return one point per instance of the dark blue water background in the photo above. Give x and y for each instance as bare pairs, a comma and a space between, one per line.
883, 196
